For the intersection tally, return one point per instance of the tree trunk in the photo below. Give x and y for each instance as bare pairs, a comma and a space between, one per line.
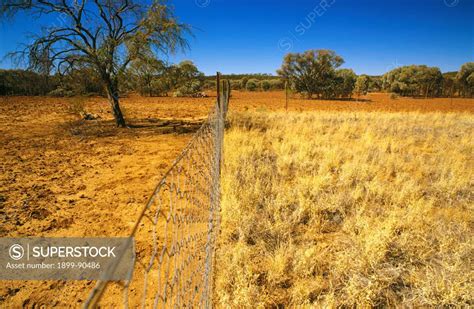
112, 94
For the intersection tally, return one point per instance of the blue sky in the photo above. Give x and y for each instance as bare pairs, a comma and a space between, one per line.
373, 36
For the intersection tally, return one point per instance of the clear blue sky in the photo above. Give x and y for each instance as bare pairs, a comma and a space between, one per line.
252, 36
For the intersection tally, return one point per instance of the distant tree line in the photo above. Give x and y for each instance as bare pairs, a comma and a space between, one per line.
148, 77
21, 82
424, 81
316, 73
153, 77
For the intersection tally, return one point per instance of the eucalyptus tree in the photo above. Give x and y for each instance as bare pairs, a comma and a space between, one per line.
311, 72
348, 80
362, 85
145, 72
106, 35
465, 78
414, 80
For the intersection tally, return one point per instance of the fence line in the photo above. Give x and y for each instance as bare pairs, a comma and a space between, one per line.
176, 231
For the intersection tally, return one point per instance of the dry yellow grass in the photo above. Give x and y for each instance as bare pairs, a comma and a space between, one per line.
330, 209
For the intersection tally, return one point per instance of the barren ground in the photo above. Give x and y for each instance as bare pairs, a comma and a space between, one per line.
61, 176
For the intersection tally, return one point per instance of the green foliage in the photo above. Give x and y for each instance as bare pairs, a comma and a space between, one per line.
465, 78
362, 85
243, 83
258, 76
189, 89
209, 84
145, 73
159, 86
276, 84
20, 82
152, 77
61, 92
375, 83
85, 81
313, 72
235, 84
265, 84
343, 83
252, 85
186, 79
414, 80
449, 86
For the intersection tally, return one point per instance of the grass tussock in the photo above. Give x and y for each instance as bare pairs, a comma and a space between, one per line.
342, 209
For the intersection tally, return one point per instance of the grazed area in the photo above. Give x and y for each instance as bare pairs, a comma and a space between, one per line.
62, 176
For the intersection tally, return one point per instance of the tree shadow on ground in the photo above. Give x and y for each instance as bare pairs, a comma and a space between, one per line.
135, 127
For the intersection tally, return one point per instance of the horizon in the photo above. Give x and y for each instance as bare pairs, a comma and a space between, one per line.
373, 37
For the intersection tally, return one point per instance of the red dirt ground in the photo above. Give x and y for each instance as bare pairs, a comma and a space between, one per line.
62, 176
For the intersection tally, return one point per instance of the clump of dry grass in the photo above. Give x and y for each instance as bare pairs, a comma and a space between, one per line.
343, 209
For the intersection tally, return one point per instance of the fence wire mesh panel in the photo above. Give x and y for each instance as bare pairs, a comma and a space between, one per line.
176, 232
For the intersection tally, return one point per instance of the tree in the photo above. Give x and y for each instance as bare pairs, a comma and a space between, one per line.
470, 82
375, 83
145, 71
414, 80
20, 82
449, 85
311, 71
347, 81
187, 79
465, 79
361, 85
187, 71
106, 35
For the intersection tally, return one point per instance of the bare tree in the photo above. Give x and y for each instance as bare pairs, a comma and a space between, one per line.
106, 35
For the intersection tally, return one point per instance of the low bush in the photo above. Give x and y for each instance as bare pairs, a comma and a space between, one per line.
190, 89
252, 85
394, 96
61, 92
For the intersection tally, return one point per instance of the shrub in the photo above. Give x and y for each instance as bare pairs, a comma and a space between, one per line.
252, 85
243, 83
394, 96
209, 84
235, 84
265, 84
190, 89
160, 87
276, 84
61, 92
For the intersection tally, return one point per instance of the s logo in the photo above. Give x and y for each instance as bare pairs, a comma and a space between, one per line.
16, 252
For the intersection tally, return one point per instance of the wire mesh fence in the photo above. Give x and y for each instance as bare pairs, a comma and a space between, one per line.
176, 231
